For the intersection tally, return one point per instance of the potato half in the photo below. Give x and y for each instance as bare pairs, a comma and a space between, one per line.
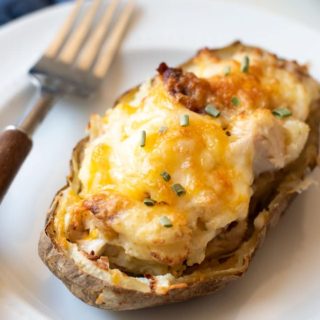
175, 188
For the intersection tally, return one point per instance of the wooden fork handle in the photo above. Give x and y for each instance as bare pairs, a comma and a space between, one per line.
14, 148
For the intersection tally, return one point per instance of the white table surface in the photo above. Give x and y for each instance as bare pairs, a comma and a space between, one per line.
304, 11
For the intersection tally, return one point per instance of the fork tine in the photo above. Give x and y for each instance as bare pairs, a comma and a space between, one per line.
110, 47
92, 46
71, 48
56, 44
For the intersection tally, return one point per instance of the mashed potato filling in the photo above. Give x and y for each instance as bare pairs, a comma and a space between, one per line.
198, 157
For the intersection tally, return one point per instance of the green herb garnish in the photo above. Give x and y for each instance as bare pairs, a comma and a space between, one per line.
212, 111
235, 101
149, 202
165, 175
281, 113
245, 64
179, 189
166, 222
143, 137
184, 120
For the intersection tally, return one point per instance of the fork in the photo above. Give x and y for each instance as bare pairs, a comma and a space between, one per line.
75, 63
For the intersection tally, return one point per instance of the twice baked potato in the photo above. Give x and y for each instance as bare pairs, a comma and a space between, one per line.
174, 189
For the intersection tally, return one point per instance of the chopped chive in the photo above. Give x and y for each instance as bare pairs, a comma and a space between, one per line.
184, 120
235, 101
163, 129
143, 138
149, 202
165, 175
245, 64
281, 113
179, 189
166, 222
227, 70
211, 110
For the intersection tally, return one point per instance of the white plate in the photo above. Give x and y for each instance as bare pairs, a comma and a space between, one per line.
283, 281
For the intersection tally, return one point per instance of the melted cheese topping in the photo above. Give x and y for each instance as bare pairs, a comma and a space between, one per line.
215, 169
198, 157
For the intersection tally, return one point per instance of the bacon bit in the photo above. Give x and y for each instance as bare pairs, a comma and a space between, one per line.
165, 260
90, 256
162, 67
152, 281
185, 87
103, 206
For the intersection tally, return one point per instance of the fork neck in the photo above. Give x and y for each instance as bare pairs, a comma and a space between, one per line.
34, 117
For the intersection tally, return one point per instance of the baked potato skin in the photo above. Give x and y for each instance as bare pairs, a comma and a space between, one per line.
88, 288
